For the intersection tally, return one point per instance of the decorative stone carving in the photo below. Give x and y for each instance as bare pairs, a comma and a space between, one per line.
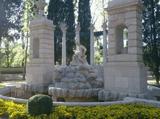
79, 57
40, 5
76, 81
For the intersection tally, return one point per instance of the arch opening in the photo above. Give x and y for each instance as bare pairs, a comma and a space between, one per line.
121, 39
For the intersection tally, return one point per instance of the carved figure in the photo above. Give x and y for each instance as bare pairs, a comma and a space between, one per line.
79, 56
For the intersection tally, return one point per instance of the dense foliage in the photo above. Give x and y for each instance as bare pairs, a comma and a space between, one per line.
151, 36
84, 18
10, 11
13, 110
62, 11
11, 54
70, 21
10, 26
119, 111
55, 10
39, 104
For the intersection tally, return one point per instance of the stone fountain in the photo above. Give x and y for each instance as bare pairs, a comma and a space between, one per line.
78, 80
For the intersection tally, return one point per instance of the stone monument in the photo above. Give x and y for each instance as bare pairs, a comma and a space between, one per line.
41, 60
124, 73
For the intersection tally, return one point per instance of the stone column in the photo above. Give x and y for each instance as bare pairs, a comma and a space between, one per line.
78, 33
104, 26
40, 68
92, 44
124, 73
64, 30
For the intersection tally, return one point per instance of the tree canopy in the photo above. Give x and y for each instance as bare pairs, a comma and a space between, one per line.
10, 22
151, 36
62, 11
84, 18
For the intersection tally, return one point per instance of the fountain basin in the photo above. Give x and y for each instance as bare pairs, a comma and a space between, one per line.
73, 93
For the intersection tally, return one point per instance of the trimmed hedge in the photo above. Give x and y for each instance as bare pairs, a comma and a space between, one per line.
39, 104
123, 111
11, 70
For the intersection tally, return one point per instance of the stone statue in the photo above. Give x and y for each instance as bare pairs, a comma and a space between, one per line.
40, 5
79, 56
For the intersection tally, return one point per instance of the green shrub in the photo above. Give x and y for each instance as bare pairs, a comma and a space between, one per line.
126, 111
3, 108
18, 115
39, 104
15, 111
117, 111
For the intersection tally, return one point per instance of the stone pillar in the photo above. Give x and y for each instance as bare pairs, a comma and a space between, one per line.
40, 68
104, 26
64, 30
92, 44
78, 33
125, 73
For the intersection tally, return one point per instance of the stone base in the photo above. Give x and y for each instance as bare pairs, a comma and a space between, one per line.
105, 95
35, 88
125, 77
39, 75
25, 91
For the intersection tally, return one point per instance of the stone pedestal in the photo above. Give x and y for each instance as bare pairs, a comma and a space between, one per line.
41, 61
125, 78
124, 74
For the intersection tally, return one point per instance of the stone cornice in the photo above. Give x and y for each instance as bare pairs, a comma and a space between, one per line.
41, 21
123, 4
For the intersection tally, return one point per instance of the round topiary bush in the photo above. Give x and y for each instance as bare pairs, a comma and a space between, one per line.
39, 104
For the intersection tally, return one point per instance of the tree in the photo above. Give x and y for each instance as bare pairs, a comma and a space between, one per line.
151, 36
10, 23
56, 13
11, 53
84, 18
62, 11
28, 14
70, 22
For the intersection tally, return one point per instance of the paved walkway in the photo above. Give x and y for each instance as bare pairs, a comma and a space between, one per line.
13, 83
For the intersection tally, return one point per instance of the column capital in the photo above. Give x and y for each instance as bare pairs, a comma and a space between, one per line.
92, 27
78, 28
104, 26
63, 27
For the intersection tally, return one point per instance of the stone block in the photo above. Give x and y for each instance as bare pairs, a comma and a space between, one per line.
132, 14
125, 58
135, 50
134, 36
134, 42
111, 51
125, 78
